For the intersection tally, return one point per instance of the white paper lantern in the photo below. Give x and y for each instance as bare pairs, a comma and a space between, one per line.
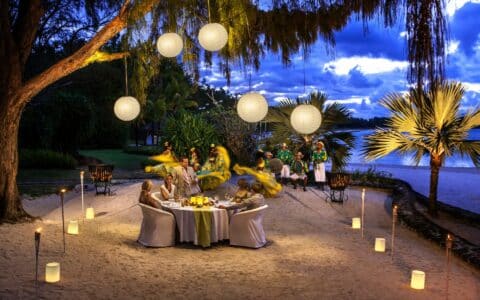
213, 36
126, 108
418, 280
170, 44
380, 245
305, 119
90, 213
52, 272
72, 227
252, 107
356, 224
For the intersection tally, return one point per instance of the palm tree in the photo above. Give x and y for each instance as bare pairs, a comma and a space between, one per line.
426, 122
337, 143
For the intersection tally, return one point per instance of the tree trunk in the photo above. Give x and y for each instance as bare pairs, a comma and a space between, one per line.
11, 208
435, 164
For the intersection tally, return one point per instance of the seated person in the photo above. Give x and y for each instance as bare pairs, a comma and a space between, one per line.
243, 191
146, 196
254, 201
299, 168
168, 188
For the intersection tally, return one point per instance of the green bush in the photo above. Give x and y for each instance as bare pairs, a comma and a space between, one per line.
46, 159
185, 130
372, 176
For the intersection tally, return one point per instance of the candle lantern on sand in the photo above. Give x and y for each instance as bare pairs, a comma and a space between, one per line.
52, 272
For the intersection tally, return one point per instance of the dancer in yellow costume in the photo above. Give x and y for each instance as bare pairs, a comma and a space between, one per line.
167, 161
216, 170
270, 186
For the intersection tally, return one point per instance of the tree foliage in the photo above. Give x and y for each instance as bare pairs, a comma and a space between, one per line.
426, 122
338, 144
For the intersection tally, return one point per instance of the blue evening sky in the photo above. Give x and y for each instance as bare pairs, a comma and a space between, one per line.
363, 67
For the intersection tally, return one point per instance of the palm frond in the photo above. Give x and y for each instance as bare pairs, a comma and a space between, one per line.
445, 99
471, 149
404, 114
383, 142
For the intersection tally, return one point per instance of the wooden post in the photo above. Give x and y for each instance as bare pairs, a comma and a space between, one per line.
62, 193
448, 250
363, 210
394, 220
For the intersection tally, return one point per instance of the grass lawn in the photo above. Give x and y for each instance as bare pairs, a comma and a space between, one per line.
36, 182
117, 157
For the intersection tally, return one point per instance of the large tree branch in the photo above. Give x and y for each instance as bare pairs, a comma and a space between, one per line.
79, 59
10, 76
100, 56
26, 26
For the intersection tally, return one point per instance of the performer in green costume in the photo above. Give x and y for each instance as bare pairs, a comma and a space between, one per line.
299, 168
286, 157
319, 157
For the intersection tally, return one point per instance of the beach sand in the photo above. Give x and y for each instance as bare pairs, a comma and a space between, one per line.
312, 253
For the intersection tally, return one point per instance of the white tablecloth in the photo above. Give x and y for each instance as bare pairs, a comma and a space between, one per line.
185, 219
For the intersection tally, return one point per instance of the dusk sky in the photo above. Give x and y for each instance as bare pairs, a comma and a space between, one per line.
363, 67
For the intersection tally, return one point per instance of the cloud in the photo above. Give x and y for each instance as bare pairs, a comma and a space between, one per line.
365, 65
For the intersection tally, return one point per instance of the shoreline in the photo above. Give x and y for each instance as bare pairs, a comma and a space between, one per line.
456, 186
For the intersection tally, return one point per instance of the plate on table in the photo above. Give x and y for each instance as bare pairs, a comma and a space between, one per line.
225, 203
171, 204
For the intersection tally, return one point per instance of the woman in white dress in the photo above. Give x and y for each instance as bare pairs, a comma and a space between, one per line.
319, 157
168, 188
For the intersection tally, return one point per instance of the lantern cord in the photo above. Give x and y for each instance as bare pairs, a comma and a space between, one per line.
304, 76
126, 75
208, 7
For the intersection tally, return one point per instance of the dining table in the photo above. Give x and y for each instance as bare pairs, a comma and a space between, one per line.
201, 225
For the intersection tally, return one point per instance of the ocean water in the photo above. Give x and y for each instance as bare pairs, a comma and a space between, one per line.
406, 160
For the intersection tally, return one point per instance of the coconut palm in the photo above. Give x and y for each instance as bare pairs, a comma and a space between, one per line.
426, 122
338, 144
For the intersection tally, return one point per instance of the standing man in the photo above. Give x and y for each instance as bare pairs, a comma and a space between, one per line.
319, 157
286, 157
186, 180
299, 169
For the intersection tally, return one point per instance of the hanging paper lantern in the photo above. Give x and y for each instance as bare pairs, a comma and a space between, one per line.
305, 119
170, 44
213, 36
252, 107
126, 108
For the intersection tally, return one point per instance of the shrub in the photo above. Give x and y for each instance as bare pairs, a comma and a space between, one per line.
185, 130
46, 159
372, 177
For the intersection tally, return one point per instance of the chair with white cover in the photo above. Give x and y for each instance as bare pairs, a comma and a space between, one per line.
158, 227
246, 228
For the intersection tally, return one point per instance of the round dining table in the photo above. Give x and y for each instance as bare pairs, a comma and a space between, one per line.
193, 221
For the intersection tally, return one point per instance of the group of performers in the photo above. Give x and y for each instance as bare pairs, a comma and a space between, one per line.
295, 167
186, 176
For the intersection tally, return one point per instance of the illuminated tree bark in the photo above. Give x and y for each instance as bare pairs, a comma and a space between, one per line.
17, 40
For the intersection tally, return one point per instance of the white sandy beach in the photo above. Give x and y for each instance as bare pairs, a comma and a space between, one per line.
312, 253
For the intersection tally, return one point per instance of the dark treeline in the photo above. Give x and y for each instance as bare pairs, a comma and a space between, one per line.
359, 123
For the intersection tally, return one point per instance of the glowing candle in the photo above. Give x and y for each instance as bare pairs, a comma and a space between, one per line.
356, 223
52, 272
380, 245
418, 280
90, 213
73, 227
